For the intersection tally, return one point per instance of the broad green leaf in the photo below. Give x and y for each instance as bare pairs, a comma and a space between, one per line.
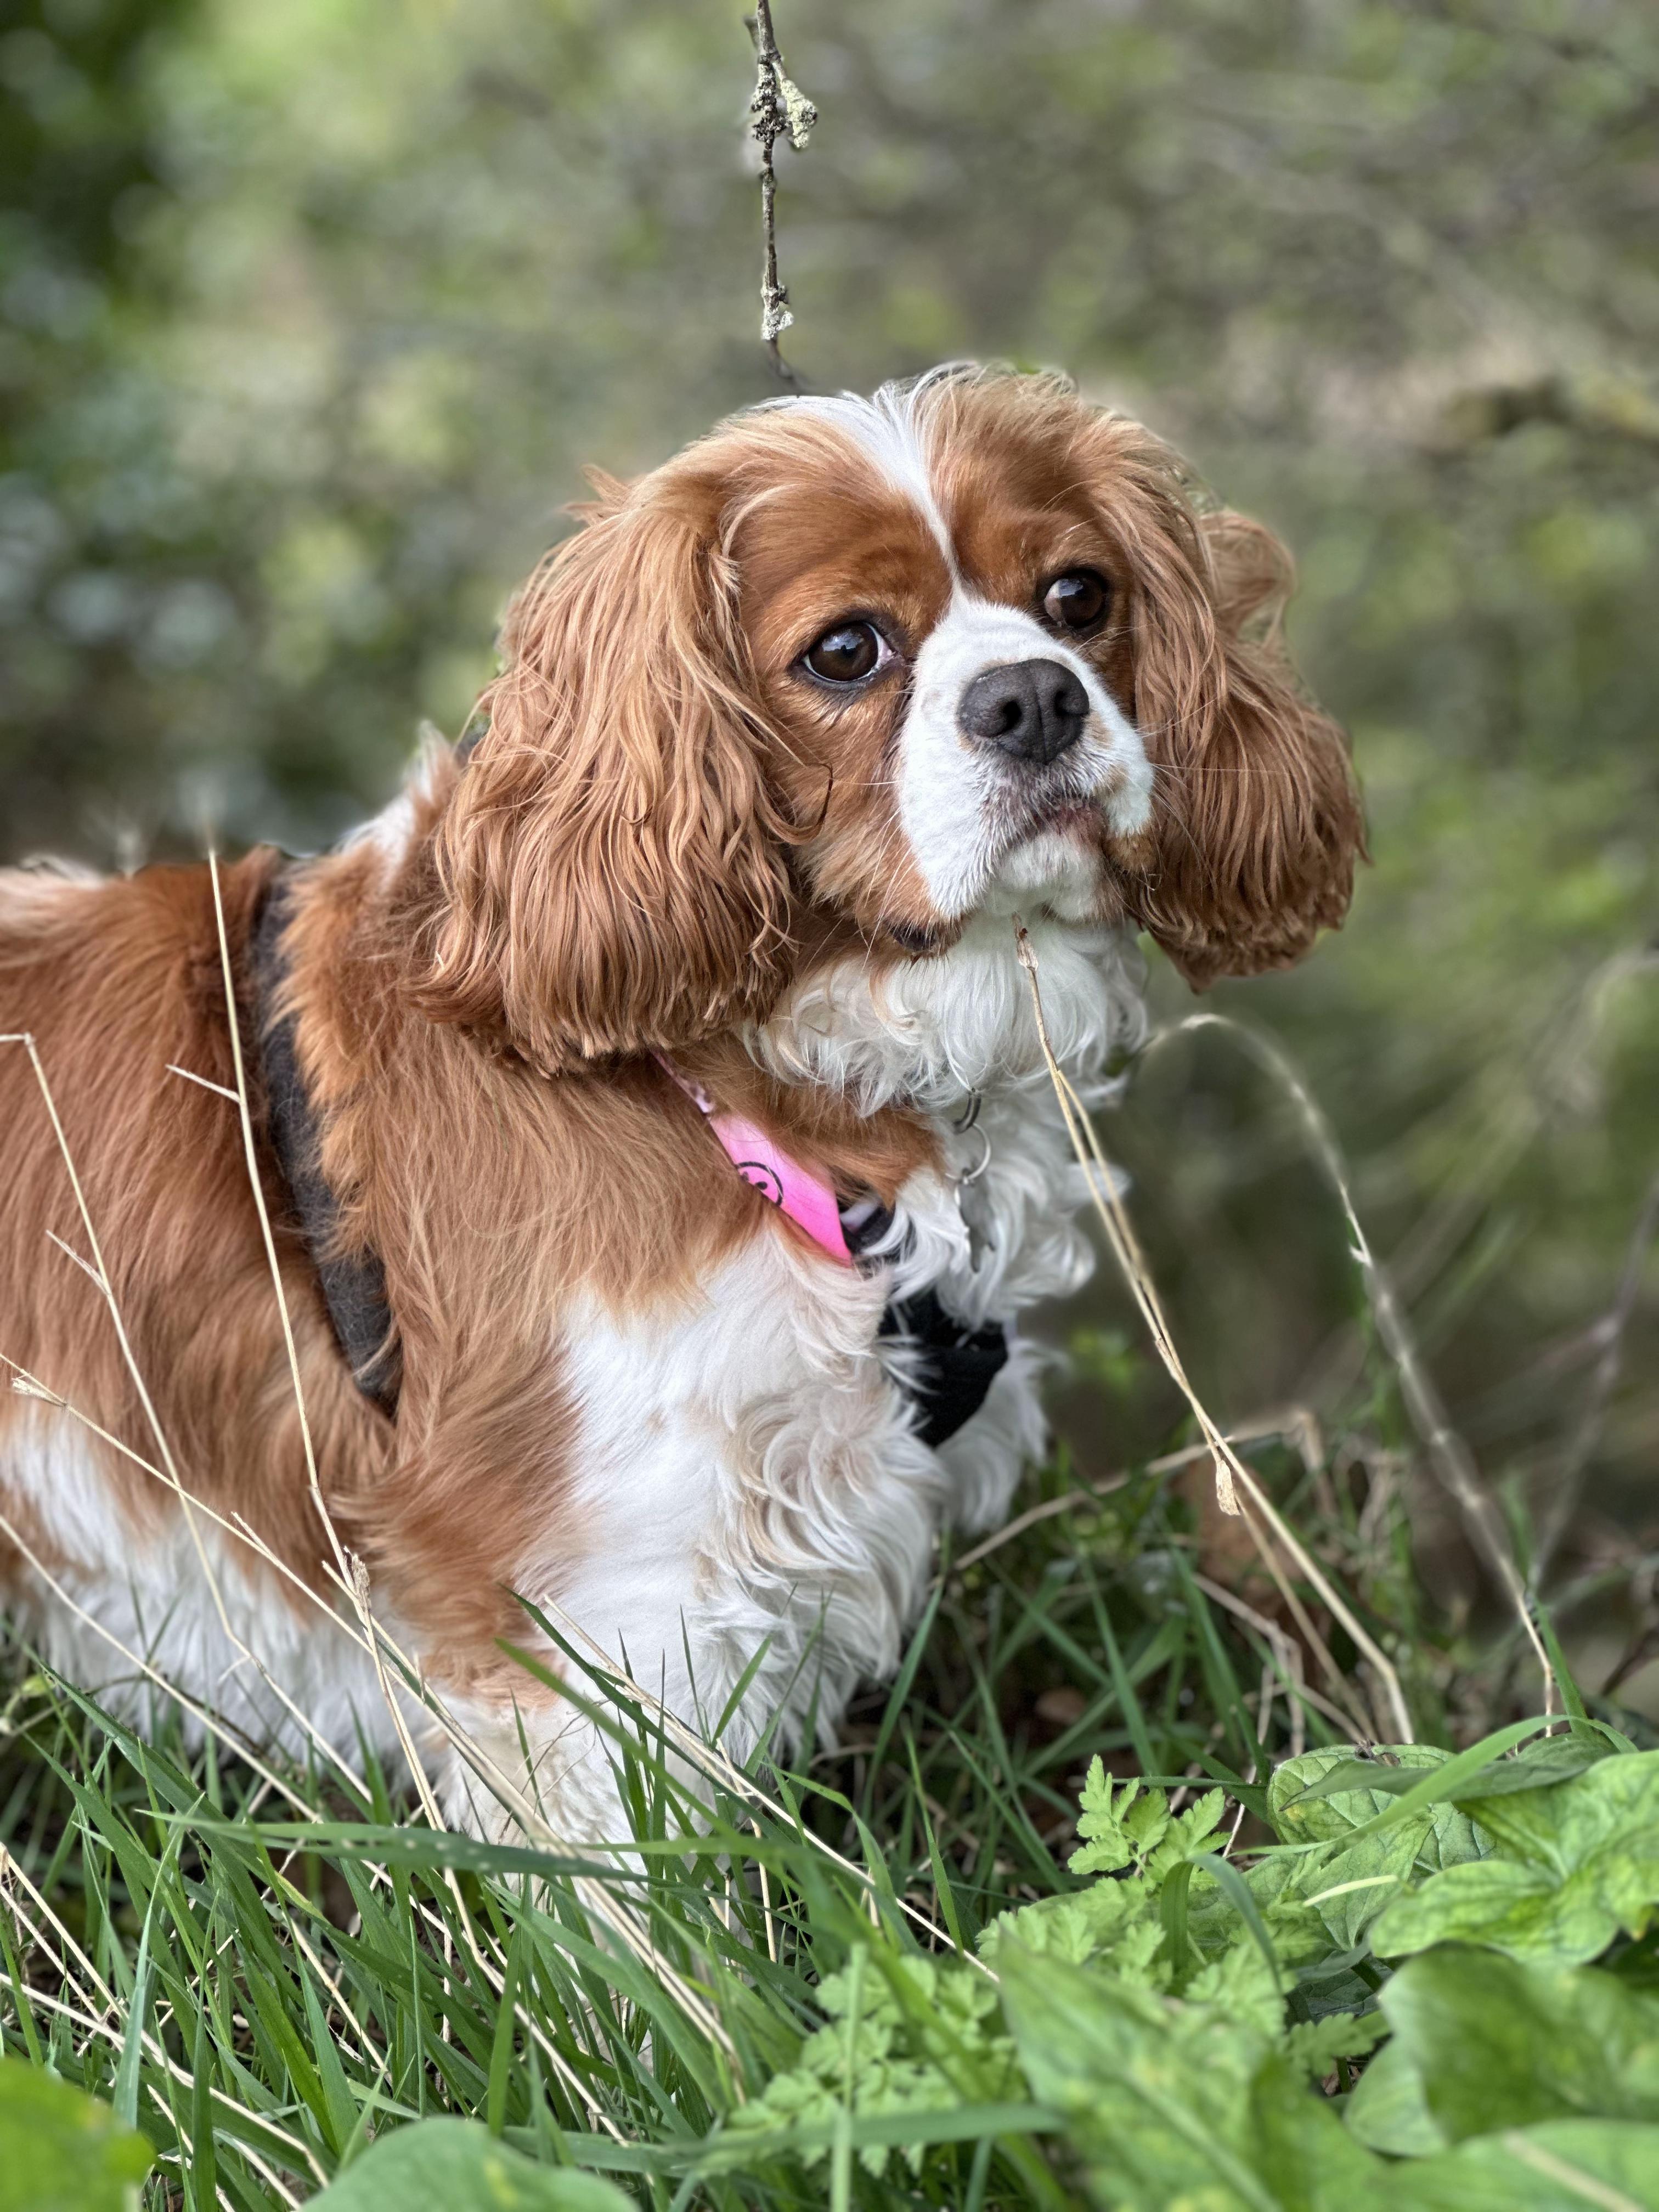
1387, 2109
1611, 1811
1172, 2102
1329, 1899
1298, 1790
1511, 1908
1565, 2165
1576, 1863
61, 2150
1534, 1766
1443, 1781
1325, 1795
1498, 2044
1301, 2152
458, 2166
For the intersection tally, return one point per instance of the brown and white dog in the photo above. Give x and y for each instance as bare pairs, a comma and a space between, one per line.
783, 738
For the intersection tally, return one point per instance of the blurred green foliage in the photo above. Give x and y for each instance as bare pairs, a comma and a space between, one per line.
312, 312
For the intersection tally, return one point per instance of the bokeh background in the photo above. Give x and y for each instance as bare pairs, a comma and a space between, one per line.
311, 312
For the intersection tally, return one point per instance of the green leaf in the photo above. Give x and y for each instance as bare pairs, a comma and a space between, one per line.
1576, 1863
1513, 1908
1534, 1766
1389, 2111
1236, 1892
1329, 1898
1325, 1795
1179, 2103
1296, 1790
1118, 1828
1118, 1923
1188, 1833
1612, 1809
1156, 2094
1445, 1779
880, 2055
1498, 2044
61, 2150
1303, 2152
1565, 2165
1243, 1984
456, 2165
730, 2150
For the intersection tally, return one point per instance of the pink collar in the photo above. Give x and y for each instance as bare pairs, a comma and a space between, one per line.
807, 1199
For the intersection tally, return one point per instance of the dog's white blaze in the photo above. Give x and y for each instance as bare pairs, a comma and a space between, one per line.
890, 429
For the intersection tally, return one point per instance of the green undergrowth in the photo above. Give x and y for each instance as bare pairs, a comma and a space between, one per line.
1089, 1907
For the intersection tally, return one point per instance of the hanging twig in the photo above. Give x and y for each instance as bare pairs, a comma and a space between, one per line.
780, 110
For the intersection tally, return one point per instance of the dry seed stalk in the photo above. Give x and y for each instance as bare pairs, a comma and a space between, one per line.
1232, 1474
1447, 1454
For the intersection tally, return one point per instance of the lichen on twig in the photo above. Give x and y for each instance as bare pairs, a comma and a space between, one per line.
779, 109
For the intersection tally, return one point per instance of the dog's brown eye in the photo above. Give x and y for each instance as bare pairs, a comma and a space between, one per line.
846, 654
1076, 601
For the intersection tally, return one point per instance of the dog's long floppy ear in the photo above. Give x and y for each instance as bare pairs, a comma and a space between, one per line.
611, 871
1256, 822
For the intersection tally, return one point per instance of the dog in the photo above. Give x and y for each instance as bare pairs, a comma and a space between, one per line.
646, 1107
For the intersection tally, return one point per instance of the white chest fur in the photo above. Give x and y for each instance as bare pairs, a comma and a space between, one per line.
748, 1478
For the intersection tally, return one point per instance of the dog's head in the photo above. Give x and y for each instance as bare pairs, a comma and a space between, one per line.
857, 666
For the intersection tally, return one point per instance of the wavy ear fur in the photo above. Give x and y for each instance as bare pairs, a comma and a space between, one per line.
611, 875
1256, 817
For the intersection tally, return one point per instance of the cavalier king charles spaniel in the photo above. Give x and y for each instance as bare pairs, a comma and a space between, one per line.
647, 1107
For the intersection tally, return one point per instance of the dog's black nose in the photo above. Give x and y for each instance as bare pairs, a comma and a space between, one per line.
1031, 709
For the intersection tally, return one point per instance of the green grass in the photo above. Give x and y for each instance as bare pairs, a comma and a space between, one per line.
262, 1974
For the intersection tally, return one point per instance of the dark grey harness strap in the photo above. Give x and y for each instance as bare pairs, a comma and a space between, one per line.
353, 1287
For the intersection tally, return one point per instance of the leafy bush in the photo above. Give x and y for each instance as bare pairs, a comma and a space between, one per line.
1173, 2014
